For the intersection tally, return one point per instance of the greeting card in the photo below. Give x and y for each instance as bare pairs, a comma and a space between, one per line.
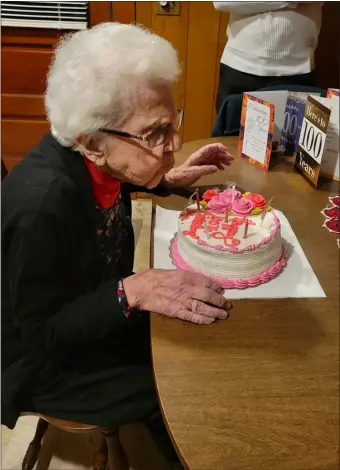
313, 138
332, 92
330, 165
257, 129
293, 117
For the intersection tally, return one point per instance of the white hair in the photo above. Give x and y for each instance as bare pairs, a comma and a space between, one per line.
95, 71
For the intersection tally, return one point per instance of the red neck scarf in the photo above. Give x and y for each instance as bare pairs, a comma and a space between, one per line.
105, 187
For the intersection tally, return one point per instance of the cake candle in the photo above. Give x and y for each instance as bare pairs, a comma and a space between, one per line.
233, 193
246, 225
226, 215
265, 210
263, 216
229, 184
197, 195
205, 226
191, 200
269, 202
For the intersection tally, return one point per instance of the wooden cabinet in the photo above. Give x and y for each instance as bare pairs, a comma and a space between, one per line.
24, 66
25, 57
199, 35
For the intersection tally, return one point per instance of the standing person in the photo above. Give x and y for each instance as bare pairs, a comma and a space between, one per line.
269, 44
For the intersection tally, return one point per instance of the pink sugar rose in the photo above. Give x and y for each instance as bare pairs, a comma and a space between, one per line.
222, 201
219, 203
228, 193
242, 206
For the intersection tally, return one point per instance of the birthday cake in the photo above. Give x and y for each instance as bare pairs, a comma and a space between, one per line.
232, 237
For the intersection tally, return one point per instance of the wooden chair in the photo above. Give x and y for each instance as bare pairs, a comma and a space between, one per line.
110, 454
131, 444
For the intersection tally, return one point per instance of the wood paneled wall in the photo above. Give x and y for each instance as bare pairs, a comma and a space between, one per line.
199, 36
172, 28
202, 71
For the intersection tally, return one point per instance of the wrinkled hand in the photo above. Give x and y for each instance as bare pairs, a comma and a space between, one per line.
178, 294
205, 161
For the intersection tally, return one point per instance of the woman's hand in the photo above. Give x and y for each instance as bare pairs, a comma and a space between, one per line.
205, 161
177, 293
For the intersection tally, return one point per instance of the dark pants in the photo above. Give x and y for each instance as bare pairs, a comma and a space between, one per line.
108, 385
234, 82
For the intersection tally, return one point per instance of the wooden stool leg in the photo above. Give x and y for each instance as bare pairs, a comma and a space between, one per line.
116, 458
33, 450
100, 458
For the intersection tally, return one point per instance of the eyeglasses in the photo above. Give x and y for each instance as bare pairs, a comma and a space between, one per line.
155, 137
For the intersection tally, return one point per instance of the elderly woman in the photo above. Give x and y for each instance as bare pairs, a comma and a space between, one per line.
75, 332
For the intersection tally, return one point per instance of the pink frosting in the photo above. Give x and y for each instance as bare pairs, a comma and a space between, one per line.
222, 201
242, 206
226, 283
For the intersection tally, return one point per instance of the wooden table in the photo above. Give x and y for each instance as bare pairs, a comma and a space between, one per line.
259, 391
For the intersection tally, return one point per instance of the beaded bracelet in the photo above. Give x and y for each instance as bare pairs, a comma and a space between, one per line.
127, 310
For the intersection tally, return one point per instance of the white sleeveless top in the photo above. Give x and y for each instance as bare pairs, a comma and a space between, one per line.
271, 43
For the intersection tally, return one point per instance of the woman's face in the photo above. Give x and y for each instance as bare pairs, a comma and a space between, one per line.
133, 160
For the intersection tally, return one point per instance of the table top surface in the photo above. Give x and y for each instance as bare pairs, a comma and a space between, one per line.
259, 391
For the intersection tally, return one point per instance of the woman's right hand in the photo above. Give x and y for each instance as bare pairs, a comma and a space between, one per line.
176, 293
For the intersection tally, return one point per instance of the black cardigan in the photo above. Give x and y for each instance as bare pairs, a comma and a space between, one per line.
53, 299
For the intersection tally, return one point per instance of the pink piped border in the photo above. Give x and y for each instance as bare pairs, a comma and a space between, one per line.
226, 283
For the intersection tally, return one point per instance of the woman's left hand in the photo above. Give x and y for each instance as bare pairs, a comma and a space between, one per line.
205, 161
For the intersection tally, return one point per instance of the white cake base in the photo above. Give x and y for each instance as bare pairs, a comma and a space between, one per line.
227, 283
235, 255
